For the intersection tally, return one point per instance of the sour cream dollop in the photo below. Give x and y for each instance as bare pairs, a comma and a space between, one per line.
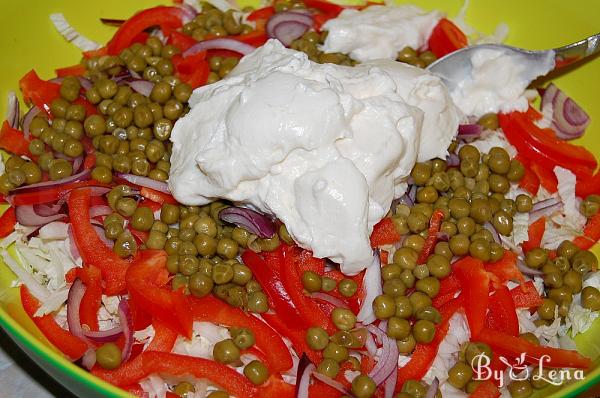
379, 31
324, 148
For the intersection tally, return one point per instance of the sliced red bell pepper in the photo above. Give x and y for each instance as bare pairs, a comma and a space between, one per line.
261, 13
526, 296
39, 92
536, 233
591, 233
71, 346
168, 18
384, 233
74, 70
275, 387
557, 358
92, 299
449, 287
89, 162
541, 145
322, 390
546, 176
7, 222
181, 41
211, 309
146, 279
487, 389
384, 255
530, 181
131, 371
506, 269
295, 335
308, 309
95, 53
331, 9
588, 186
93, 251
446, 37
14, 141
193, 69
434, 227
183, 365
306, 262
255, 38
90, 109
157, 196
474, 282
424, 354
502, 315
51, 194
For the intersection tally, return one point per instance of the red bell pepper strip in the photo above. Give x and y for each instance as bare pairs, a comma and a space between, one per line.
93, 251
449, 287
90, 109
255, 38
474, 282
157, 196
183, 365
168, 18
502, 315
591, 233
546, 176
541, 145
193, 69
89, 162
39, 92
434, 227
14, 141
306, 262
146, 279
131, 371
308, 309
506, 268
530, 181
424, 354
322, 390
275, 387
51, 194
74, 70
95, 53
295, 335
384, 233
269, 278
8, 219
92, 298
211, 309
487, 389
446, 37
536, 233
526, 296
331, 9
71, 346
557, 358
181, 41
261, 13
588, 186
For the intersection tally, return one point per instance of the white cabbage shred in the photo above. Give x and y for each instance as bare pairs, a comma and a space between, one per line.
71, 35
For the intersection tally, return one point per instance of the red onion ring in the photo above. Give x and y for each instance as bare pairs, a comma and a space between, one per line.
76, 292
469, 131
305, 369
389, 356
49, 209
255, 222
77, 163
370, 345
13, 114
288, 31
72, 245
433, 388
89, 359
372, 284
220, 44
143, 87
104, 336
27, 216
390, 385
569, 120
287, 16
452, 160
31, 113
495, 233
82, 176
187, 12
526, 270
328, 298
412, 193
100, 210
100, 232
127, 325
544, 208
145, 182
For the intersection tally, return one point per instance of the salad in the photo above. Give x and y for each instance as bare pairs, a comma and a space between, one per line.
152, 252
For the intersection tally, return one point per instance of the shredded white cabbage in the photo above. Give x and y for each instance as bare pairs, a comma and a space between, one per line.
155, 386
494, 138
71, 35
520, 231
108, 315
566, 191
53, 302
205, 336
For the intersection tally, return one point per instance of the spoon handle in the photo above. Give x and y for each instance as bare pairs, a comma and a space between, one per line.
574, 52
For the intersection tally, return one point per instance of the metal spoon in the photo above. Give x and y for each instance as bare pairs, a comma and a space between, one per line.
456, 66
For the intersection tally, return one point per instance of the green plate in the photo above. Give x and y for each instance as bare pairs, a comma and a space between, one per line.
30, 41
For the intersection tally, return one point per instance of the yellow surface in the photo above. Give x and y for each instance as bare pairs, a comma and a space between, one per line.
28, 41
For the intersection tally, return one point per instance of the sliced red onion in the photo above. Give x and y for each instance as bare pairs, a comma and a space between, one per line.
73, 245
452, 160
443, 236
89, 359
469, 131
544, 208
220, 44
82, 176
187, 12
495, 233
104, 336
255, 222
403, 200
287, 16
305, 370
390, 385
526, 270
332, 383
76, 293
46, 210
13, 114
31, 113
86, 84
372, 284
328, 298
412, 192
288, 31
433, 388
101, 234
569, 120
370, 345
100, 210
145, 182
77, 163
127, 324
27, 216
388, 361
143, 87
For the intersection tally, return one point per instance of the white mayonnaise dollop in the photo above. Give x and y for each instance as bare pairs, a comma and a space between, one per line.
497, 82
324, 148
379, 31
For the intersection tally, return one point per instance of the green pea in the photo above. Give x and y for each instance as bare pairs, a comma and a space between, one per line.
363, 386
226, 352
205, 245
222, 273
108, 356
439, 265
398, 328
546, 309
459, 375
200, 285
429, 313
590, 298
336, 352
535, 258
406, 258
419, 300
257, 301
394, 287
384, 306
404, 308
406, 345
520, 389
343, 319
584, 261
317, 338
311, 281
328, 284
183, 389
329, 368
347, 287
243, 338
567, 249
